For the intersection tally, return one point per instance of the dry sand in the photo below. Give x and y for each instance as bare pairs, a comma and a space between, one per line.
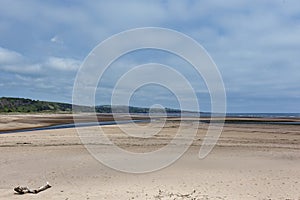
250, 161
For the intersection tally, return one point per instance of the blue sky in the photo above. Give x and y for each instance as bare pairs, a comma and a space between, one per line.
255, 44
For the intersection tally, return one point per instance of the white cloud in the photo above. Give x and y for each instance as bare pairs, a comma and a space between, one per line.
14, 62
9, 56
56, 39
65, 64
22, 68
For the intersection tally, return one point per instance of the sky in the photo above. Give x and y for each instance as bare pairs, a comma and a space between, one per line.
255, 45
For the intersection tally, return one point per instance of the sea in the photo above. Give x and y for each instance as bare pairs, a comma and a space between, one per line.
265, 115
243, 115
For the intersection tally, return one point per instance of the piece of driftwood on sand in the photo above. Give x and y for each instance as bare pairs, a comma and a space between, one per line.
24, 190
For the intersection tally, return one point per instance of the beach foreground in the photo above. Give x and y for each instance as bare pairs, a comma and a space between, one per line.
250, 161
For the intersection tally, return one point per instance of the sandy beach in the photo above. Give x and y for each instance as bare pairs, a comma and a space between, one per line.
250, 161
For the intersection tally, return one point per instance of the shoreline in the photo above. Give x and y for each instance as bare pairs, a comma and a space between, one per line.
27, 122
34, 122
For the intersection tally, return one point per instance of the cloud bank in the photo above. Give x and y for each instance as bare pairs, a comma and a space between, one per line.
255, 44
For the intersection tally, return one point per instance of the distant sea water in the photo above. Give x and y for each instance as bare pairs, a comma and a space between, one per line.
244, 115
265, 115
271, 118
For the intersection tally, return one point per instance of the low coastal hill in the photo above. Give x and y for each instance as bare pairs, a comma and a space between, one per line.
23, 105
10, 104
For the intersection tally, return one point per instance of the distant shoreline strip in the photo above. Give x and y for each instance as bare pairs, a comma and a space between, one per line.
258, 121
71, 125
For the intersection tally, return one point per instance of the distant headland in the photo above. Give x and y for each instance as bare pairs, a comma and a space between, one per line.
25, 105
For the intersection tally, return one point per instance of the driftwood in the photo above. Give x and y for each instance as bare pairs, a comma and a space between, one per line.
170, 195
24, 190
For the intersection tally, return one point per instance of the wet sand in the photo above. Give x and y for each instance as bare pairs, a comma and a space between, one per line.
14, 122
250, 161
